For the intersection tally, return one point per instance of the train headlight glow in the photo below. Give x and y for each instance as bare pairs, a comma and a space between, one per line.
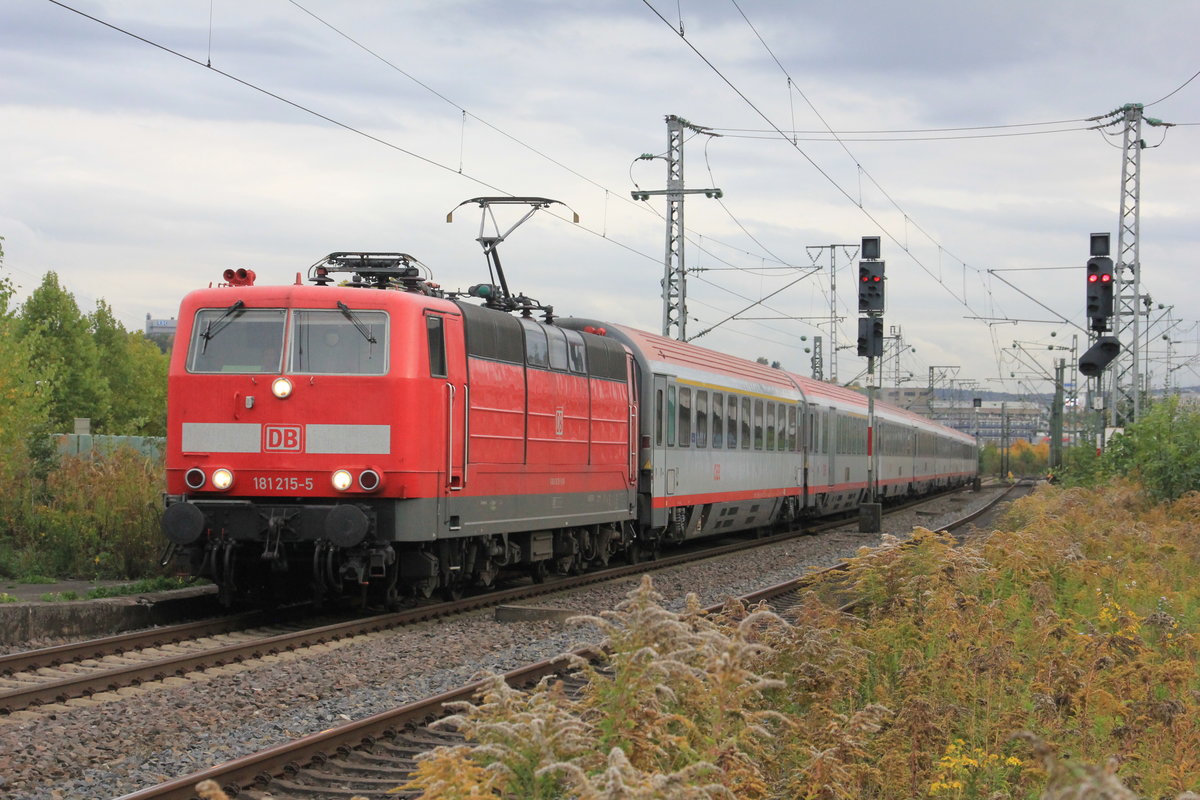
281, 387
222, 479
342, 480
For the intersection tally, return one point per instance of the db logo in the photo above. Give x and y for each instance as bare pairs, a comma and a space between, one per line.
286, 438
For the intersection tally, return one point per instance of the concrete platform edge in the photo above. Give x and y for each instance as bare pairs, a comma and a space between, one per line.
24, 622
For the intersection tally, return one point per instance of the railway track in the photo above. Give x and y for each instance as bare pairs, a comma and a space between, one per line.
42, 678
370, 757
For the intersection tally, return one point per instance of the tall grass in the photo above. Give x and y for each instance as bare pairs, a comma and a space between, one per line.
93, 517
964, 672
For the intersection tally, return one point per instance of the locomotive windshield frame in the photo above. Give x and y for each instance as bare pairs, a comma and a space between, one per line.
237, 340
319, 341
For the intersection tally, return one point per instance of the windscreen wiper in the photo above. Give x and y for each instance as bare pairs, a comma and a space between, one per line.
217, 325
350, 315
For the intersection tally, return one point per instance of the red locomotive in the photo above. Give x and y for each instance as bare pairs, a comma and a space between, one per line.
337, 438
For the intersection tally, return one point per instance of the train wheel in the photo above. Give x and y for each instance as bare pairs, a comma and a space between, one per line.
538, 571
633, 553
452, 592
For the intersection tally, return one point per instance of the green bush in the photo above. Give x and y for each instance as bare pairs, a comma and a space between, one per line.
1161, 451
97, 518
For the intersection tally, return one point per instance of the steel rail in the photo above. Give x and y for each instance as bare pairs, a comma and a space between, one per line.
260, 769
88, 683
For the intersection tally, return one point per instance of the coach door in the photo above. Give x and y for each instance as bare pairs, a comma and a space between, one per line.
665, 477
447, 363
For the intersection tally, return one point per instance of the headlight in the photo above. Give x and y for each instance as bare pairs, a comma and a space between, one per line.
368, 480
194, 478
341, 480
281, 387
222, 479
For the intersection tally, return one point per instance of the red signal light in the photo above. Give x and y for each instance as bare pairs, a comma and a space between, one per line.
1106, 278
1093, 278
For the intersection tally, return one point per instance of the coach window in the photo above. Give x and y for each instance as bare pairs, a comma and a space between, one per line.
670, 416
745, 423
701, 418
718, 420
758, 424
576, 353
558, 347
731, 422
685, 417
770, 438
658, 417
437, 346
536, 350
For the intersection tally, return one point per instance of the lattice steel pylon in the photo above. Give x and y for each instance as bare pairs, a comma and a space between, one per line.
1125, 375
1124, 387
674, 319
674, 282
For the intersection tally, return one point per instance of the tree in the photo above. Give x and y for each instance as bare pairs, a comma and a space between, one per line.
1162, 449
64, 354
136, 371
25, 423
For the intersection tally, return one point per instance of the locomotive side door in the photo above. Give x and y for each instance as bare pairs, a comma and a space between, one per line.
633, 404
447, 364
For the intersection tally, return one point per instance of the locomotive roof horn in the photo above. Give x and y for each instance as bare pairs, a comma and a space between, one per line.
503, 298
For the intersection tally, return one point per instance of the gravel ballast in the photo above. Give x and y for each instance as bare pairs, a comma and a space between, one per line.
108, 747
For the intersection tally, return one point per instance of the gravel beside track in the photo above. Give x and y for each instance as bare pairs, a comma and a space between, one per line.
106, 747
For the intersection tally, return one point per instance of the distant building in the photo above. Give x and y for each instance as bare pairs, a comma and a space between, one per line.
988, 422
994, 421
163, 326
161, 332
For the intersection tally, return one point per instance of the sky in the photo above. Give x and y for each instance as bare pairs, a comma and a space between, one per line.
148, 146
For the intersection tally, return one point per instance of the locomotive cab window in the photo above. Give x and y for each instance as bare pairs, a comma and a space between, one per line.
237, 339
437, 346
342, 342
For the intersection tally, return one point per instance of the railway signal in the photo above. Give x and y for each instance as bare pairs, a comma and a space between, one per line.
870, 286
1098, 356
870, 337
1099, 292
